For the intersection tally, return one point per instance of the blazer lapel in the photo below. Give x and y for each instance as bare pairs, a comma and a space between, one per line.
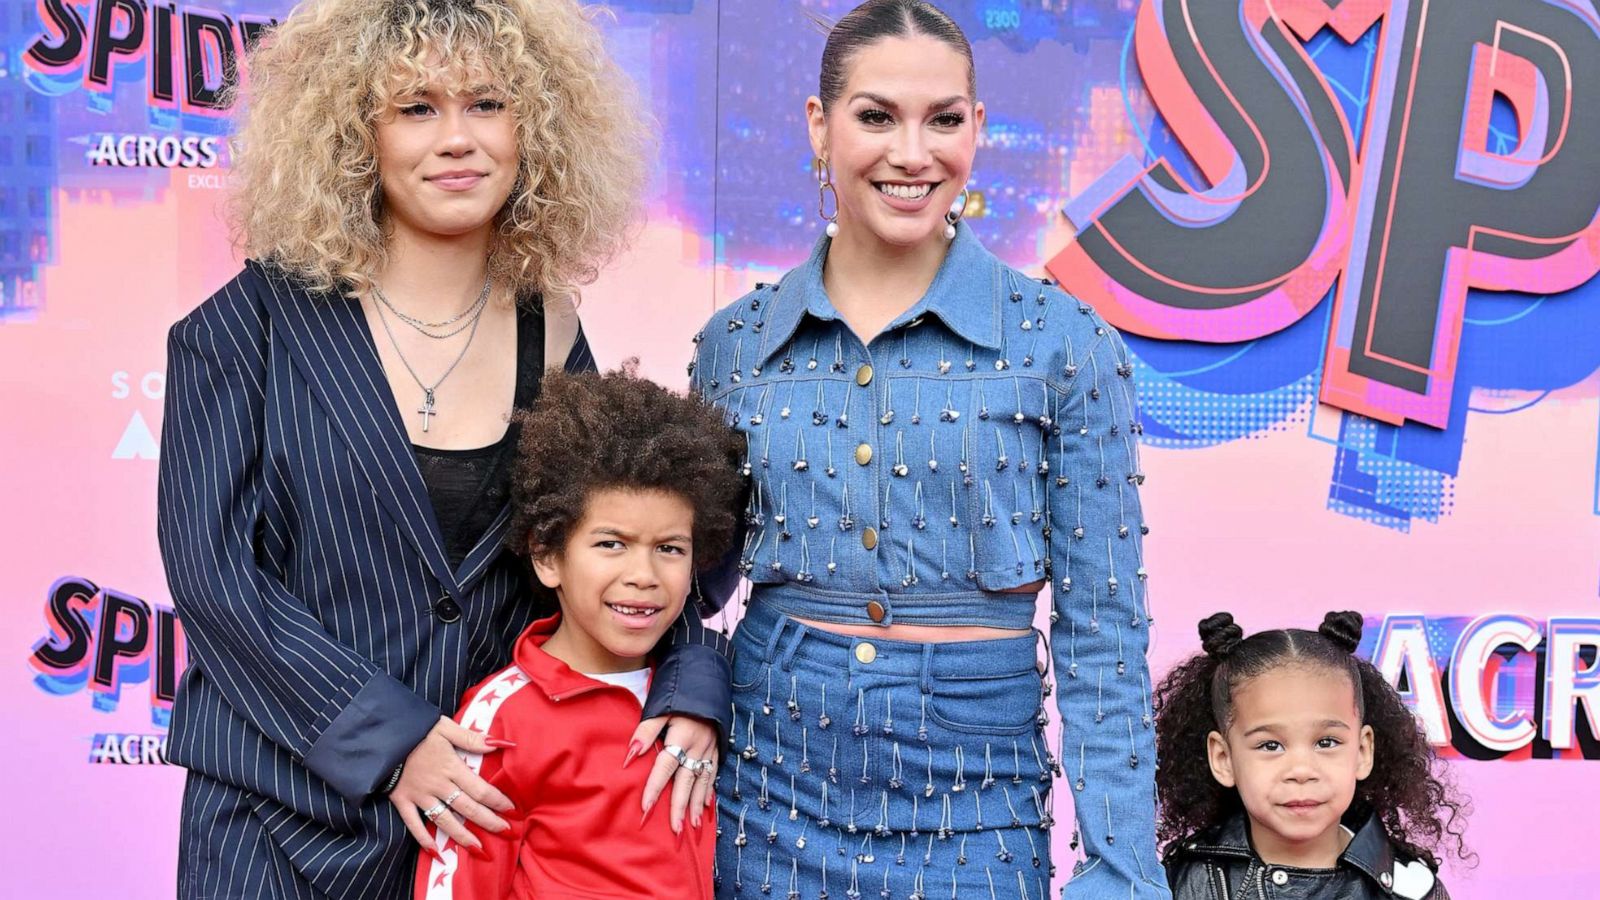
331, 346
486, 550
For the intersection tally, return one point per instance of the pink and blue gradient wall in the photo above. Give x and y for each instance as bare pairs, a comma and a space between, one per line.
1262, 501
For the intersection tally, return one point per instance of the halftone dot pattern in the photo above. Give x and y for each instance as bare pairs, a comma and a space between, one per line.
1189, 418
1380, 489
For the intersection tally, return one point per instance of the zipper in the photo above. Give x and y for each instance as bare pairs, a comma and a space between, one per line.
1222, 880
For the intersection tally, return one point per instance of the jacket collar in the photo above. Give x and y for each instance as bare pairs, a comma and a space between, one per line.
965, 295
554, 678
1369, 851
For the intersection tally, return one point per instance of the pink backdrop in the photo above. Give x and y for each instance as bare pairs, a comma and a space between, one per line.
1244, 523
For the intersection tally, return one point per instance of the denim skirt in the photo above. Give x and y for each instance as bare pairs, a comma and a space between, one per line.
873, 768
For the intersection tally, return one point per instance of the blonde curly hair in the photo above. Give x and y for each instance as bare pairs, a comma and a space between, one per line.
307, 194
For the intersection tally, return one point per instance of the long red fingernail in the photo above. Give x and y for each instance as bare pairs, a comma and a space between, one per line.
635, 748
434, 853
500, 743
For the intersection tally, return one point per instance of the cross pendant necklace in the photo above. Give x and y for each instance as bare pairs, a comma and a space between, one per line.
429, 407
427, 410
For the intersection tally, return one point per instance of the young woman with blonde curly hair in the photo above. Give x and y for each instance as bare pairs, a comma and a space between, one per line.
423, 186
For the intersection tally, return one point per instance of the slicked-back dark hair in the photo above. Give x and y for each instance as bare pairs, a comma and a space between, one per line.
878, 19
1239, 658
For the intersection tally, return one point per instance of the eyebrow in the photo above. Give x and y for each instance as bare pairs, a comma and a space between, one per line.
1272, 727
430, 93
881, 100
617, 532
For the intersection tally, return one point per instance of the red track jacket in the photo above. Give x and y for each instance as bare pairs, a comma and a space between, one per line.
575, 832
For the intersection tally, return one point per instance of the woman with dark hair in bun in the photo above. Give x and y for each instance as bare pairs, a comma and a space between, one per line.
934, 438
1291, 768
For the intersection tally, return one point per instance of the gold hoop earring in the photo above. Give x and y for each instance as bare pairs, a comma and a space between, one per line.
957, 209
824, 174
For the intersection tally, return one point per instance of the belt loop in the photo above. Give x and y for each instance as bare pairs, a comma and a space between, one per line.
927, 668
776, 636
793, 645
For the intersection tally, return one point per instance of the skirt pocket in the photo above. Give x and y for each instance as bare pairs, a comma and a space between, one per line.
1005, 704
750, 667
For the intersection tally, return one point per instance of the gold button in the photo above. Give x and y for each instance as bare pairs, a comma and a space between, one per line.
869, 538
875, 610
866, 653
863, 453
864, 375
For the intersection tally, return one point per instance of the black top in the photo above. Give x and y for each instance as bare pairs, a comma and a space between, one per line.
470, 487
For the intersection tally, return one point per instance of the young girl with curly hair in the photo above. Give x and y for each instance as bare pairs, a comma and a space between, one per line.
1291, 768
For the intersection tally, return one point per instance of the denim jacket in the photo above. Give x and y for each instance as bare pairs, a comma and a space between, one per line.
986, 439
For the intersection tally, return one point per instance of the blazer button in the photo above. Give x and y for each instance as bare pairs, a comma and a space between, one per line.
869, 538
864, 375
875, 610
447, 610
863, 453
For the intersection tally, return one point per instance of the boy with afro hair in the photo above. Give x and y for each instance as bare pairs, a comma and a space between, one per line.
621, 491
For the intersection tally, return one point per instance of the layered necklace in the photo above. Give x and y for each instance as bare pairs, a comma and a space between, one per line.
472, 314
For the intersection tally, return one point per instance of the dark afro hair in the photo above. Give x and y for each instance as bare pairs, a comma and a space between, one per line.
591, 432
1409, 791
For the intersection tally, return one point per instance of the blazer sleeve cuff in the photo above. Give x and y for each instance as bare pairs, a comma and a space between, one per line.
693, 680
374, 732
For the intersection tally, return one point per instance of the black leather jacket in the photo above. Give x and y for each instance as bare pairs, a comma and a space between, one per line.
1219, 864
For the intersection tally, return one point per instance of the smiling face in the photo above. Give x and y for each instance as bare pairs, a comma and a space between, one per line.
447, 158
900, 138
1294, 751
622, 578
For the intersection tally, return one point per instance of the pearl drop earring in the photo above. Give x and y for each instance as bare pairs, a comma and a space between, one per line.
957, 209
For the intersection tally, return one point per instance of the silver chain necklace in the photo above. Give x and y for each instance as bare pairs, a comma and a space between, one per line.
429, 407
473, 309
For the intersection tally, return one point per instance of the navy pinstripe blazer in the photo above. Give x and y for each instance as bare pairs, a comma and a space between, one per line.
327, 630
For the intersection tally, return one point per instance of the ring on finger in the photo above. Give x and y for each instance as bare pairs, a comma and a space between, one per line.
707, 768
678, 753
435, 811
454, 795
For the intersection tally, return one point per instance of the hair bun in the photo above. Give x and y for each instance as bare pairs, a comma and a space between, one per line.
1219, 636
1343, 629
